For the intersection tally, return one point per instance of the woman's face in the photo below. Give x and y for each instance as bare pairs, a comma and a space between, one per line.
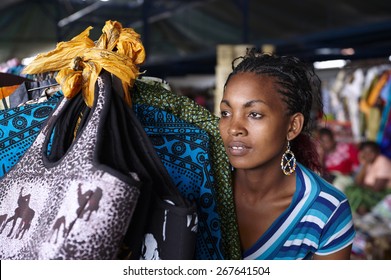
254, 121
367, 155
327, 143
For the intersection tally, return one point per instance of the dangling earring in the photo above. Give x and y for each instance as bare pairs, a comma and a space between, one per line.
288, 161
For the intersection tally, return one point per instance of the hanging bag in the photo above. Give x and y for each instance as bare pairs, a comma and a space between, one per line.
164, 224
67, 205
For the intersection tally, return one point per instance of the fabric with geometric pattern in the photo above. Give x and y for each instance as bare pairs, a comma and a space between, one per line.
186, 137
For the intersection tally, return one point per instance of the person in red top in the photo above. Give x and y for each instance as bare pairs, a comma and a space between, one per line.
340, 159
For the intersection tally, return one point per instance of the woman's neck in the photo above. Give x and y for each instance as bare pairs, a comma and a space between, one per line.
260, 185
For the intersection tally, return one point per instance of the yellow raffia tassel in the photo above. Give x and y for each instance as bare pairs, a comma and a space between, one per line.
71, 81
130, 45
110, 34
79, 61
62, 55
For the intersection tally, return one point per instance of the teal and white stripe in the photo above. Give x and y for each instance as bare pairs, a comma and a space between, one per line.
319, 221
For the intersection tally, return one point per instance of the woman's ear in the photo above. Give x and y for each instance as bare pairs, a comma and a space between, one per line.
295, 126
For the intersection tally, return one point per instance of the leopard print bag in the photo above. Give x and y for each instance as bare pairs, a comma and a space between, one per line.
71, 208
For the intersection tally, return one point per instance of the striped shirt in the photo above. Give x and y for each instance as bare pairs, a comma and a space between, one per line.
318, 221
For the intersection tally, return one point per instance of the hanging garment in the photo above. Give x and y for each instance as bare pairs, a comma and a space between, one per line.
374, 119
384, 135
73, 206
5, 92
352, 92
16, 90
9, 79
187, 139
335, 96
375, 80
19, 127
31, 90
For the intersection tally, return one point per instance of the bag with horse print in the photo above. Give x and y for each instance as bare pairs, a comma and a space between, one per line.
60, 201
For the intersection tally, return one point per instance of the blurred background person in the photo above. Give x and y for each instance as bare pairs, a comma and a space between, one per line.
373, 180
339, 159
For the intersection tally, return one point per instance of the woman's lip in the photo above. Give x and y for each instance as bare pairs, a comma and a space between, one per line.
237, 148
237, 144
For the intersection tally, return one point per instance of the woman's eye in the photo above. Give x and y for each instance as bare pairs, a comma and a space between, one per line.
255, 115
224, 114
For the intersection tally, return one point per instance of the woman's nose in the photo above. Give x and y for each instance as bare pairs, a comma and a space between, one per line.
236, 128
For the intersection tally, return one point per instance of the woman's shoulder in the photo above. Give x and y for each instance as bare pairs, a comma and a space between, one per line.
383, 160
324, 189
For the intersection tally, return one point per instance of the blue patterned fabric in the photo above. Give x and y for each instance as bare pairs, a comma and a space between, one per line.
19, 127
184, 151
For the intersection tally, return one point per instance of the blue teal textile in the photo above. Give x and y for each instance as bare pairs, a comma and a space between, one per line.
188, 135
184, 150
19, 127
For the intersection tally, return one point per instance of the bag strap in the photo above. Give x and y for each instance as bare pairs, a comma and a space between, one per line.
59, 130
124, 129
67, 127
164, 186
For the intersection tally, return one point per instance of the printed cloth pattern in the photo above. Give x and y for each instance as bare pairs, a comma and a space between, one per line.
19, 128
187, 139
70, 209
183, 149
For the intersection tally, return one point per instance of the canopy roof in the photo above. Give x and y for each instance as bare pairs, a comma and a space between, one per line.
181, 36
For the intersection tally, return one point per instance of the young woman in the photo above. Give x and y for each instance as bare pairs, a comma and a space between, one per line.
284, 209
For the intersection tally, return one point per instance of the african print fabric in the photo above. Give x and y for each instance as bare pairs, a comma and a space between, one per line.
19, 127
187, 139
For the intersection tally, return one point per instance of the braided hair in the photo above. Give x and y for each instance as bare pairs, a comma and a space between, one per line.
300, 90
